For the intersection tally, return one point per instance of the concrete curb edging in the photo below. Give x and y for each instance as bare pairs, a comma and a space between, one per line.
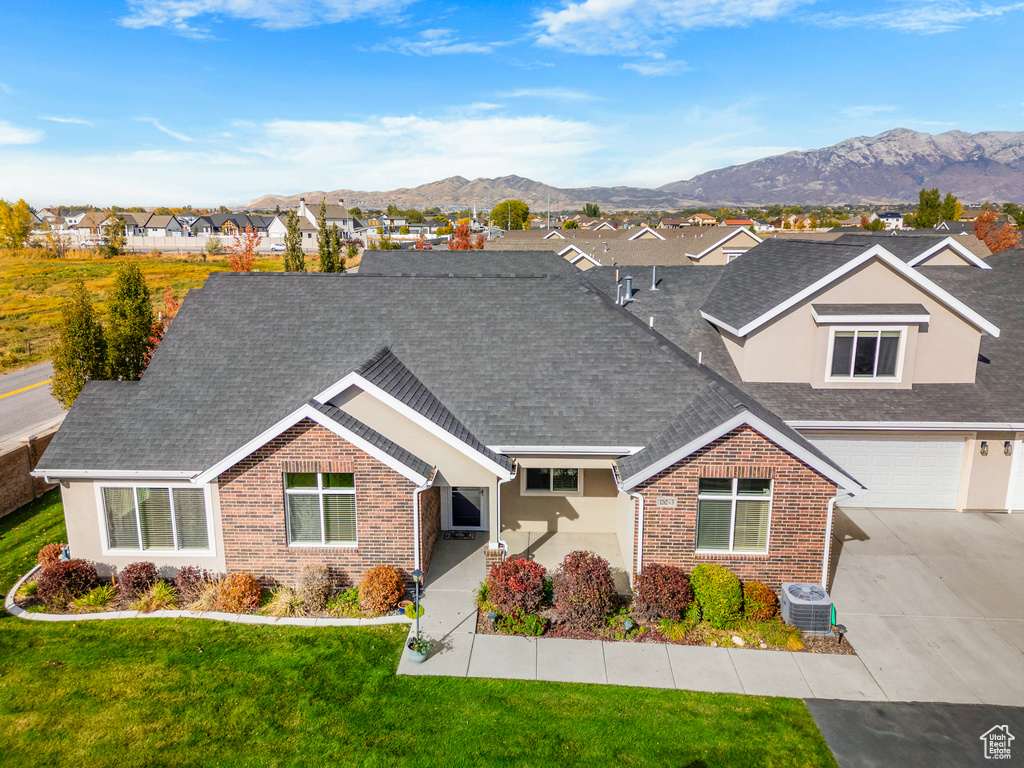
241, 618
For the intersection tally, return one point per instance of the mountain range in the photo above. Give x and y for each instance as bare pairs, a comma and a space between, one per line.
889, 168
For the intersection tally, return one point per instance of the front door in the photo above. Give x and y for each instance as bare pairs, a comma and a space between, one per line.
468, 508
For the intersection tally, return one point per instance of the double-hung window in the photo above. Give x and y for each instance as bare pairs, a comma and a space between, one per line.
321, 507
865, 354
552, 480
733, 514
144, 518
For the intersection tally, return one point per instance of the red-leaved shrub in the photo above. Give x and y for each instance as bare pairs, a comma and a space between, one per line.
49, 554
136, 579
380, 590
61, 582
584, 590
759, 601
516, 583
191, 582
661, 592
238, 593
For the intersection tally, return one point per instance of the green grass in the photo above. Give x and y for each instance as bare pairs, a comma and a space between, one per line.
24, 532
192, 692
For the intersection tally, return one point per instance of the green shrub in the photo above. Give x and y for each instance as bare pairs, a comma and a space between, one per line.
584, 590
238, 593
518, 622
28, 589
63, 581
759, 601
94, 601
719, 593
380, 590
516, 583
136, 579
481, 594
315, 587
345, 605
161, 596
661, 592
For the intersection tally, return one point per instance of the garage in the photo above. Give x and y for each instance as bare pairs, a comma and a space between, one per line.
900, 473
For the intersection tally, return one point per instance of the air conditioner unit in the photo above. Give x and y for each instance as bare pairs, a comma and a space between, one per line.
807, 607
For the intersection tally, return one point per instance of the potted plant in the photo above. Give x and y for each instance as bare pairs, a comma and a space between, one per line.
419, 647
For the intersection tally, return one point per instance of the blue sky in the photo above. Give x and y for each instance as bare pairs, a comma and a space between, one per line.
220, 101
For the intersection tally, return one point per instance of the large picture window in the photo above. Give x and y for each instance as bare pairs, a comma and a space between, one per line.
148, 518
556, 480
321, 507
865, 354
733, 514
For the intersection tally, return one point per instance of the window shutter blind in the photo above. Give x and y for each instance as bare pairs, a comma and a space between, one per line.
155, 517
304, 518
190, 516
565, 480
713, 518
339, 518
122, 531
751, 526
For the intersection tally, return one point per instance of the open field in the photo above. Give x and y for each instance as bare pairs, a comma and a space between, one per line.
193, 692
33, 287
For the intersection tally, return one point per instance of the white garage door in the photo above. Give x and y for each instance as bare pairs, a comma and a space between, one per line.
900, 474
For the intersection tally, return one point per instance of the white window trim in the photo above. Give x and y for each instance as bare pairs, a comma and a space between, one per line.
485, 508
101, 510
733, 498
319, 492
523, 491
903, 330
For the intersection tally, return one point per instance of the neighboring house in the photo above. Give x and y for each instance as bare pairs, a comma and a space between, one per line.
668, 223
762, 226
72, 220
604, 226
644, 233
134, 223
230, 224
278, 228
729, 247
891, 219
737, 222
701, 220
91, 223
906, 371
579, 258
164, 226
391, 418
339, 215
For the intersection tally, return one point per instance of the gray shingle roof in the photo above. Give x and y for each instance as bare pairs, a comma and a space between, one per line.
870, 309
373, 437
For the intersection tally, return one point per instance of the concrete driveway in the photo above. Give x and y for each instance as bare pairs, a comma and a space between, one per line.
934, 602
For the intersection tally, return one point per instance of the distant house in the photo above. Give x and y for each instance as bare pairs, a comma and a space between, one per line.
340, 215
667, 223
229, 224
164, 226
134, 223
604, 225
91, 223
72, 219
737, 222
701, 220
891, 219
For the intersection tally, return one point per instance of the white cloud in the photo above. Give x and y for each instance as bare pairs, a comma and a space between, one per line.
161, 127
68, 120
12, 134
866, 111
5, 88
640, 27
379, 153
433, 42
925, 18
657, 67
564, 94
181, 15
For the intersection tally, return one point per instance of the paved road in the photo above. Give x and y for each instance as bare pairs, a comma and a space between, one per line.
914, 735
25, 401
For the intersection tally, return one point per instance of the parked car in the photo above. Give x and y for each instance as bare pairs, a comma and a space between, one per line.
277, 247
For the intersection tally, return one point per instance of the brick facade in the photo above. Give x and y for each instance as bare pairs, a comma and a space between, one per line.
492, 557
796, 536
252, 509
430, 525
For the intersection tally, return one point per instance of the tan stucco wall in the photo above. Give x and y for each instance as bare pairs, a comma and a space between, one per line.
794, 348
625, 528
593, 512
718, 257
946, 257
990, 475
85, 537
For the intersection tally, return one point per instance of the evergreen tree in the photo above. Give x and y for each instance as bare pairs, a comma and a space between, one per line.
951, 209
592, 210
80, 352
323, 239
337, 262
929, 209
113, 235
131, 324
294, 258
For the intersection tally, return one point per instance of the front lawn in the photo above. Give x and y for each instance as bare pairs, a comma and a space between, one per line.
195, 692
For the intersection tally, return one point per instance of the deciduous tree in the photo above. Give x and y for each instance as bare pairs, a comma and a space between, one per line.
80, 354
130, 325
570, 224
163, 322
461, 240
242, 254
113, 235
995, 237
15, 224
510, 214
294, 258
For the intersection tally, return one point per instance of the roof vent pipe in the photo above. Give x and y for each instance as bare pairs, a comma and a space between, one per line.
618, 294
627, 294
654, 278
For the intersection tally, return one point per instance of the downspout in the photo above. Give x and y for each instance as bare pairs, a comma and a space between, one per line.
828, 536
639, 564
502, 544
416, 519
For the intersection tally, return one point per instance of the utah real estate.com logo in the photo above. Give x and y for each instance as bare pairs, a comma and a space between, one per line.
997, 742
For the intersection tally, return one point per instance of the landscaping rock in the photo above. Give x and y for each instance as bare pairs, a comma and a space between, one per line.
737, 640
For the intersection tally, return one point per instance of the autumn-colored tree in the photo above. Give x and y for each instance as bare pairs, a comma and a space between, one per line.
15, 224
570, 224
864, 221
113, 235
480, 240
461, 240
163, 322
80, 354
422, 244
242, 253
131, 323
995, 237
